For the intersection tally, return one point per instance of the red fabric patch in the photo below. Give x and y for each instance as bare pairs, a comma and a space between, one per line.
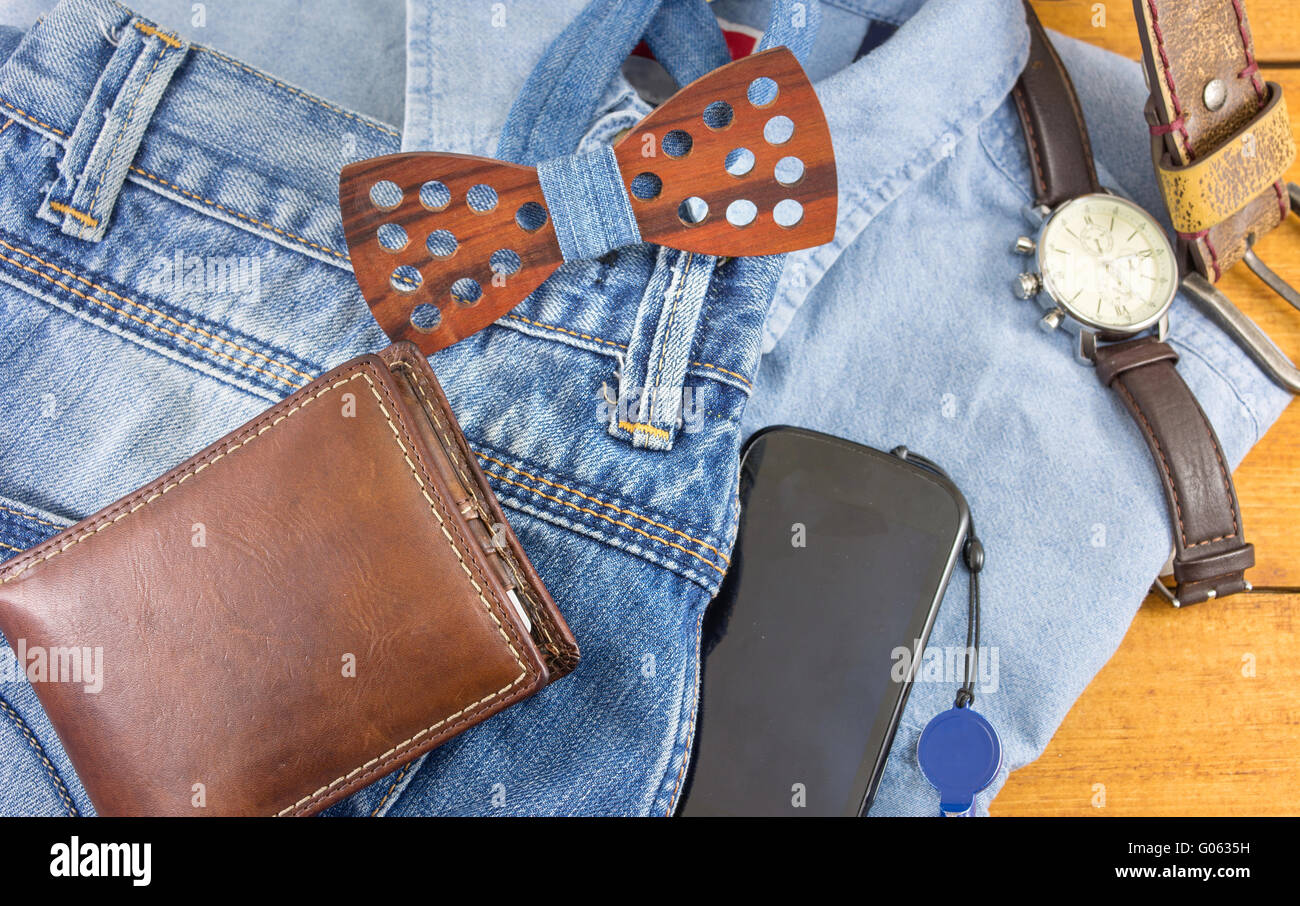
741, 41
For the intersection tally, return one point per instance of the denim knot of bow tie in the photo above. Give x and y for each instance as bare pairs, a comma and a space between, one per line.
738, 162
590, 207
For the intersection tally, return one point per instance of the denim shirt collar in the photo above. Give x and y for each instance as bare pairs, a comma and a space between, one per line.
901, 109
908, 102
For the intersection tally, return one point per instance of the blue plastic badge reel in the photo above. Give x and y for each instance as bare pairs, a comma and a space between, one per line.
960, 754
959, 751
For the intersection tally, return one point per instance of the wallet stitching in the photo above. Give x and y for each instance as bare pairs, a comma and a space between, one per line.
472, 486
378, 763
257, 430
507, 629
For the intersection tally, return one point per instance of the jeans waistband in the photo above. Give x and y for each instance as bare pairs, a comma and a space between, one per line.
224, 139
233, 143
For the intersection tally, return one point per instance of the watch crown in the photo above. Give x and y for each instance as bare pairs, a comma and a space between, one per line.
1052, 319
1024, 246
1027, 285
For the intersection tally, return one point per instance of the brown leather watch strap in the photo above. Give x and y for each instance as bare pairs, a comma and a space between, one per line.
1205, 92
1210, 553
1060, 153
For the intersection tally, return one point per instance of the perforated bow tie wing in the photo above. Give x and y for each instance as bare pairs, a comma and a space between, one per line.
738, 162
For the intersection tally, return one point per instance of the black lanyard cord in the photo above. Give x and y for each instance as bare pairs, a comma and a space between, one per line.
973, 557
973, 554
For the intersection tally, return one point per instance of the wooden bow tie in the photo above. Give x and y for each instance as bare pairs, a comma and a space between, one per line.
738, 162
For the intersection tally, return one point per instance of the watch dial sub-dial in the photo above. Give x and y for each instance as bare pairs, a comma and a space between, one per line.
1107, 263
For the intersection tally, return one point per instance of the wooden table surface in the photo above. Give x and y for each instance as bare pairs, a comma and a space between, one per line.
1198, 713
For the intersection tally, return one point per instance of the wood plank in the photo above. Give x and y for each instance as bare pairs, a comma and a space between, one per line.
1273, 25
1174, 725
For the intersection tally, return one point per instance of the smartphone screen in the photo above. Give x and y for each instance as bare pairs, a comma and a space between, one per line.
841, 561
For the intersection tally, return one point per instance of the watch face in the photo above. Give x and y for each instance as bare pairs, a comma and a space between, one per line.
1106, 263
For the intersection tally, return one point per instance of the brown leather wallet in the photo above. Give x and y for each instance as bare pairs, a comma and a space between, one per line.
306, 605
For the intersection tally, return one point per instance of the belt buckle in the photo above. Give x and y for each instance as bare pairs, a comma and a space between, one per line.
1266, 273
1233, 321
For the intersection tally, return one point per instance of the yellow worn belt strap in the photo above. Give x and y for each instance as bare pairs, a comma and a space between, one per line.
1213, 188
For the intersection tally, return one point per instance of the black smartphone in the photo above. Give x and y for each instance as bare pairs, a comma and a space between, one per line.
842, 558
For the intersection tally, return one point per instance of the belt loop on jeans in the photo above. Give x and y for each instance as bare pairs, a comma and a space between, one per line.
107, 137
653, 397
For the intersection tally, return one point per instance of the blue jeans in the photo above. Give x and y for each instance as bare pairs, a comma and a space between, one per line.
213, 281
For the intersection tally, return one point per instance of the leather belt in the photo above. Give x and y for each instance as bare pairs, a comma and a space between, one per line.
1221, 142
1220, 135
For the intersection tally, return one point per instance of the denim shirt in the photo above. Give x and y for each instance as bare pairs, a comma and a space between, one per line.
901, 330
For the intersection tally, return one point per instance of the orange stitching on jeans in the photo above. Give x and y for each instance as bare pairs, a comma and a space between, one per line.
130, 113
600, 502
740, 377
136, 318
73, 212
299, 92
36, 746
25, 516
8, 123
25, 115
668, 329
583, 509
11, 547
158, 179
649, 429
154, 311
240, 215
198, 198
572, 333
155, 33
400, 774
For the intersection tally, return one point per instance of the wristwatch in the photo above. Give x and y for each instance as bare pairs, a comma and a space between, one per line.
1106, 273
